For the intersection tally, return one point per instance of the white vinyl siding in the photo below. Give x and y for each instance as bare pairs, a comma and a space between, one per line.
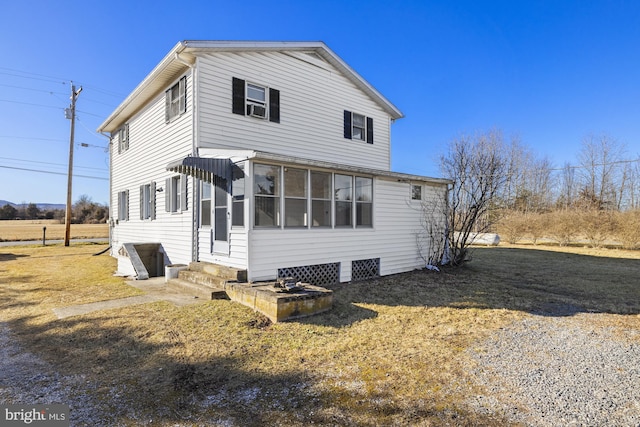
311, 114
146, 162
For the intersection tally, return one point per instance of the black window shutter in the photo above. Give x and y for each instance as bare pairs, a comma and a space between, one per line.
274, 105
238, 96
369, 130
347, 124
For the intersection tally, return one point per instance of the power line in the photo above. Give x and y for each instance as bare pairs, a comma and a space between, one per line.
32, 137
52, 164
53, 173
30, 103
31, 89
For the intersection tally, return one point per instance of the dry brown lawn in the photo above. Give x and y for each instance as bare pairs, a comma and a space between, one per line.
21, 230
392, 351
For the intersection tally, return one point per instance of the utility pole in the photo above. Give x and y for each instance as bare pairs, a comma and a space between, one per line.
70, 114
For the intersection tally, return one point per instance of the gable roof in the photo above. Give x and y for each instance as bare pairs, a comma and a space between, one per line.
183, 56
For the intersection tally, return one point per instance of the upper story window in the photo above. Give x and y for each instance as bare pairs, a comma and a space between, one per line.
358, 127
176, 100
254, 100
123, 138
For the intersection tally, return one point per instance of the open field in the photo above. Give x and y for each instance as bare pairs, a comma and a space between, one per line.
392, 351
23, 230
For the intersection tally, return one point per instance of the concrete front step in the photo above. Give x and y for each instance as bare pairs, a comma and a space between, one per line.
228, 273
202, 278
196, 290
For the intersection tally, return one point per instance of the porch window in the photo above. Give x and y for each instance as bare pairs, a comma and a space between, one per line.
266, 189
343, 192
320, 199
237, 192
295, 197
205, 205
364, 202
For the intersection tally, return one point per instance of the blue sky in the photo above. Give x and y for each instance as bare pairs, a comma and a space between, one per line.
548, 72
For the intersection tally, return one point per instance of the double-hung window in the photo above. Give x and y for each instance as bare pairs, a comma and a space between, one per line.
176, 100
266, 188
148, 201
176, 194
255, 100
123, 205
416, 192
123, 138
358, 127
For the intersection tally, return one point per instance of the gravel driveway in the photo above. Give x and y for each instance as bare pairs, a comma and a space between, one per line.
560, 371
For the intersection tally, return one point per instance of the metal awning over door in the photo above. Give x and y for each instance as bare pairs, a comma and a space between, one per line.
206, 169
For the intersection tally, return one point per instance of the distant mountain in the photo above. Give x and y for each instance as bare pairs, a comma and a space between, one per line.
41, 206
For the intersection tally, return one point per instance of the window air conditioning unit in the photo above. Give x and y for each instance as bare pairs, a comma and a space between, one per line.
257, 111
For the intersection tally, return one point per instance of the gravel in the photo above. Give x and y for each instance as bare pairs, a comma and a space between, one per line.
560, 370
27, 379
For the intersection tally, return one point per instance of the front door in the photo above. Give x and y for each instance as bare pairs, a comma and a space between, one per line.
220, 221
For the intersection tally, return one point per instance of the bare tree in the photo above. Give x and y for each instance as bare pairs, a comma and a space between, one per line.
479, 168
600, 161
568, 186
431, 239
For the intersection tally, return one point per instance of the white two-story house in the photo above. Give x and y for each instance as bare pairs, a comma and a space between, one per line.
273, 157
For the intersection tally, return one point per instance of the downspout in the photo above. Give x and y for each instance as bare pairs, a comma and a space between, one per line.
195, 212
